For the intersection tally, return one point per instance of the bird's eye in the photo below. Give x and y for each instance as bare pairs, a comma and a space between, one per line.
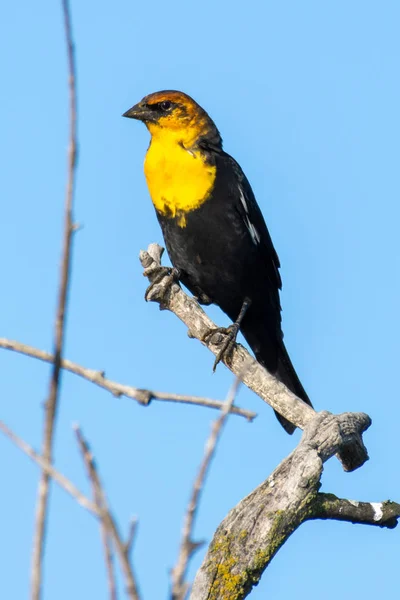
166, 105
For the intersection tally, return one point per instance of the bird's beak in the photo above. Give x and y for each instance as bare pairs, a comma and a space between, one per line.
140, 112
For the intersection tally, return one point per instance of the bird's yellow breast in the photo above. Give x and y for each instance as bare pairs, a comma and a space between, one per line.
179, 180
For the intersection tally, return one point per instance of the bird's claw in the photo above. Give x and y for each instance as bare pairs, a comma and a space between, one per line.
159, 274
227, 344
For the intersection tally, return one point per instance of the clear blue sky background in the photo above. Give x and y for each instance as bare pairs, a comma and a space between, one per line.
306, 95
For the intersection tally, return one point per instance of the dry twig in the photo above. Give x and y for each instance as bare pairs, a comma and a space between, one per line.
46, 466
179, 586
142, 396
131, 536
110, 527
52, 401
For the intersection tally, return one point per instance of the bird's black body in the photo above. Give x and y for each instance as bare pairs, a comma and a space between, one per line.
213, 228
225, 254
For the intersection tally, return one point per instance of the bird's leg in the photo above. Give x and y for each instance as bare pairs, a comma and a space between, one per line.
158, 274
230, 334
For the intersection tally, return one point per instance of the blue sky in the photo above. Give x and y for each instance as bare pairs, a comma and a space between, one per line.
306, 96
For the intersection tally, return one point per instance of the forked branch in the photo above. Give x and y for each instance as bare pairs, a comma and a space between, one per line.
109, 525
98, 507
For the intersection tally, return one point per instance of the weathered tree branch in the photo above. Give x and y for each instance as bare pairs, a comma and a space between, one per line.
59, 326
144, 397
180, 587
253, 531
352, 452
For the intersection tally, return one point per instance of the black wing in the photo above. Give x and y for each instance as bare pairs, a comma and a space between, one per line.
253, 219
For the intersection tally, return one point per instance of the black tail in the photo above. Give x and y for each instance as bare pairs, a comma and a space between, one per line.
274, 357
286, 373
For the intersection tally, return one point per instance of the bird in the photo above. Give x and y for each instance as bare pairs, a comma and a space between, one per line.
214, 231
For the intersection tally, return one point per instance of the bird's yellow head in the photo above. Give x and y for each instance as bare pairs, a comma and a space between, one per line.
176, 115
179, 165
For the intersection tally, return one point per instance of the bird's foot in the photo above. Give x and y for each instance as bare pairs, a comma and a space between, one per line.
230, 332
227, 344
162, 280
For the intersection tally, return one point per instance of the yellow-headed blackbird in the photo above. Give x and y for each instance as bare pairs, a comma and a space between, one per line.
214, 231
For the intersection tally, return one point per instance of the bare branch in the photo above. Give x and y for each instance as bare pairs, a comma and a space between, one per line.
108, 520
62, 481
109, 560
99, 499
381, 514
52, 401
265, 385
142, 396
188, 546
251, 534
99, 509
131, 536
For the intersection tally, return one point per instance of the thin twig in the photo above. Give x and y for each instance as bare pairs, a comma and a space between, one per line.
109, 560
180, 587
131, 536
62, 481
142, 396
108, 521
99, 499
52, 401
